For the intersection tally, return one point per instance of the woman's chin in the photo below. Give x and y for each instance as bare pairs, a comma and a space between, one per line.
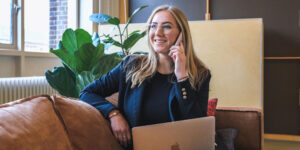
161, 50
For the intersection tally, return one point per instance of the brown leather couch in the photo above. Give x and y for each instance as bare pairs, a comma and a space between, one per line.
53, 123
58, 123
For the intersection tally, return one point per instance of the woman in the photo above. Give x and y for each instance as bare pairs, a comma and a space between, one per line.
168, 84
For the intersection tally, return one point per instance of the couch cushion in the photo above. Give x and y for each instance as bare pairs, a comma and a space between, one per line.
211, 107
86, 127
31, 123
228, 135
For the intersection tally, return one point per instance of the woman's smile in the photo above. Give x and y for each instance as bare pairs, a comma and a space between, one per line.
160, 41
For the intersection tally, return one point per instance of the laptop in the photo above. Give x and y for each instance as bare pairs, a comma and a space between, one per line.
190, 134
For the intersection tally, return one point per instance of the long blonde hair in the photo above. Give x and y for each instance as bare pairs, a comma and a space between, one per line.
147, 66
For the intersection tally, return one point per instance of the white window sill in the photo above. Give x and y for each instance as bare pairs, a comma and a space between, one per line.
4, 52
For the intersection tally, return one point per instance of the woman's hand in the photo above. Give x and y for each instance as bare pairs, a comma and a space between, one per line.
179, 59
120, 129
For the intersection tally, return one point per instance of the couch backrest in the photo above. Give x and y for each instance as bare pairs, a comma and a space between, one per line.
87, 129
31, 123
56, 122
248, 121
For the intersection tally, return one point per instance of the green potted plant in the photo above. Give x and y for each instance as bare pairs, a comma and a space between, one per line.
83, 56
127, 41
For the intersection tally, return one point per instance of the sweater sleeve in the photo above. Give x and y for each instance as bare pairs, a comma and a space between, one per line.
95, 93
191, 103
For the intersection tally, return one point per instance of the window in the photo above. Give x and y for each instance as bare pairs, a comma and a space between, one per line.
44, 23
36, 25
6, 24
7, 31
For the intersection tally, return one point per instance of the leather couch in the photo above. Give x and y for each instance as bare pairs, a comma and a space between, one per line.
54, 122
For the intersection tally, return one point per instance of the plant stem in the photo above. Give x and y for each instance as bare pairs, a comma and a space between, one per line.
126, 15
127, 37
121, 39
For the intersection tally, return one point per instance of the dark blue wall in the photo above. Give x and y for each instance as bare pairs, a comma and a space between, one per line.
194, 9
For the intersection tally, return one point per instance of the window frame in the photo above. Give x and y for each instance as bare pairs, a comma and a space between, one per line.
18, 32
17, 47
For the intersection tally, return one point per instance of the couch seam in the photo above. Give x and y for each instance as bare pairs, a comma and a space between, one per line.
61, 119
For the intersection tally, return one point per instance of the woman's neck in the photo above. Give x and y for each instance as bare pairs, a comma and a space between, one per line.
165, 64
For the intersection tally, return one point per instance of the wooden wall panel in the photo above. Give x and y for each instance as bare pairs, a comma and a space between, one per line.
282, 110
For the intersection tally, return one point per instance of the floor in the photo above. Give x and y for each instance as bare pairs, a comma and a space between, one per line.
281, 145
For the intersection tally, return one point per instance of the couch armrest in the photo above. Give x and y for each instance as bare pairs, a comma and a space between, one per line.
248, 121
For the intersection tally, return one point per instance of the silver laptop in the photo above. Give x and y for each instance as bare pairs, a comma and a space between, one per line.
191, 134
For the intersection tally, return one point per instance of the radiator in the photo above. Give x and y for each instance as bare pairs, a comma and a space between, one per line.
21, 87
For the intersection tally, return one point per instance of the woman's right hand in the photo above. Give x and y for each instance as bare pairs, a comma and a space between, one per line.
120, 129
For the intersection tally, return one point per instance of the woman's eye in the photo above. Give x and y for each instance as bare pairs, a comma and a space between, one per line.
167, 27
153, 26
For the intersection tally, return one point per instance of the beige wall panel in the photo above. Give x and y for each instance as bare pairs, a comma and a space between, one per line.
232, 50
36, 66
7, 66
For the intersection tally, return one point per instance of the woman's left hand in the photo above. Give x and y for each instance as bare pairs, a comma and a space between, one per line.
179, 59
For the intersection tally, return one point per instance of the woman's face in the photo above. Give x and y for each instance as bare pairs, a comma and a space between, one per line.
163, 31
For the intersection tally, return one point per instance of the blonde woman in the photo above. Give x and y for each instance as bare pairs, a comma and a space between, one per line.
168, 84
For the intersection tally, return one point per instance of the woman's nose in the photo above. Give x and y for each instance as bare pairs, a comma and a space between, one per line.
159, 31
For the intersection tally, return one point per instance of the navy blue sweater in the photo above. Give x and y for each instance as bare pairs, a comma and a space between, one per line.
155, 107
184, 102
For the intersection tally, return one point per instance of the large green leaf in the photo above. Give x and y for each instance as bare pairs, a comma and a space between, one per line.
114, 21
70, 72
132, 39
133, 32
62, 81
114, 42
87, 56
69, 41
72, 41
84, 79
105, 64
82, 37
67, 58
